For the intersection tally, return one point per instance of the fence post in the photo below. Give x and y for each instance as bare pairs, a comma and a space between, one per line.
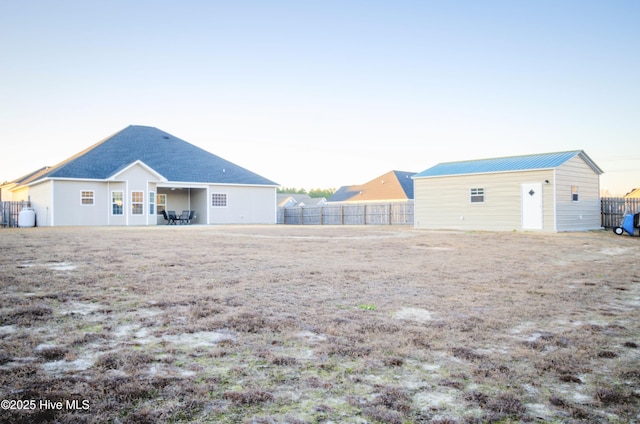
320, 215
612, 209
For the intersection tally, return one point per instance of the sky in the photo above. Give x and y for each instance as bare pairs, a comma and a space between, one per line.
321, 94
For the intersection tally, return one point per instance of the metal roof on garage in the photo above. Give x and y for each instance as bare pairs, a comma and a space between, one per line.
506, 164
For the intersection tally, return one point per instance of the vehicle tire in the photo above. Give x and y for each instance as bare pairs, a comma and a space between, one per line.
618, 230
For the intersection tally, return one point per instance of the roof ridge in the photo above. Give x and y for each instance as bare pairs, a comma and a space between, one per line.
514, 156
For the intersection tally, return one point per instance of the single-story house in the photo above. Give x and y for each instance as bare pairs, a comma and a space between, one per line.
545, 192
392, 186
131, 177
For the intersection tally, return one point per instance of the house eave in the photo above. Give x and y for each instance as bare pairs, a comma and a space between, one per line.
482, 173
42, 180
244, 185
9, 186
591, 163
161, 183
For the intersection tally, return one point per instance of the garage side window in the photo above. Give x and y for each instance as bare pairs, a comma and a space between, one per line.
219, 200
117, 202
87, 198
575, 193
476, 195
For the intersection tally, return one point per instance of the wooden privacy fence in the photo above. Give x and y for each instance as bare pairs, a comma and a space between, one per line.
613, 209
397, 213
9, 212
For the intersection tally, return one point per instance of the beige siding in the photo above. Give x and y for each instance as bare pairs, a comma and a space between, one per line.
245, 205
444, 202
41, 195
68, 208
199, 205
585, 213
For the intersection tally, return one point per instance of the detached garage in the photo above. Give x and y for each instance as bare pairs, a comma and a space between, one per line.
550, 192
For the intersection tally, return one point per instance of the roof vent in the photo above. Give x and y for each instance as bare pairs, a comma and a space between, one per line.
166, 137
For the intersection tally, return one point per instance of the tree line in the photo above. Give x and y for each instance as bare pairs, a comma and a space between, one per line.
314, 192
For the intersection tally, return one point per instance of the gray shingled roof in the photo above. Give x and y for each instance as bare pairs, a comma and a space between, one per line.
405, 180
173, 158
343, 194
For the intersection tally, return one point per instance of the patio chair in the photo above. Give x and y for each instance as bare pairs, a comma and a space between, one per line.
166, 217
186, 217
173, 218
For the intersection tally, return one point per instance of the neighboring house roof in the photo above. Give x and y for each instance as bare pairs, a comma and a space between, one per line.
507, 164
405, 180
344, 193
173, 158
313, 201
634, 194
394, 185
288, 199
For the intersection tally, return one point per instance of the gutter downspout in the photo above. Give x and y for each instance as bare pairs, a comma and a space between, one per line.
53, 202
555, 206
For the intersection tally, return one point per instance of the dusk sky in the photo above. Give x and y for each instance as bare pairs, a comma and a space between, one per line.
320, 94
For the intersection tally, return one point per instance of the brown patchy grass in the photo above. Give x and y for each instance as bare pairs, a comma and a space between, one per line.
270, 324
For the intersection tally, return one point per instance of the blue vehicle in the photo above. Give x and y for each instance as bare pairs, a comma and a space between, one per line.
629, 224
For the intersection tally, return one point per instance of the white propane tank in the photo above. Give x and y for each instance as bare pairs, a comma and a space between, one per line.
27, 217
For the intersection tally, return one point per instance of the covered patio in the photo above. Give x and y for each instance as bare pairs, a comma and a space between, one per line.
172, 197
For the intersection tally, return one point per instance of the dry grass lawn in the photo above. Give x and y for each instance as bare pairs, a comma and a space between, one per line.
287, 324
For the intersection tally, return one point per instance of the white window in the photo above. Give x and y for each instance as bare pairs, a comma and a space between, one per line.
161, 203
152, 203
219, 200
137, 203
87, 197
575, 193
117, 203
476, 195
